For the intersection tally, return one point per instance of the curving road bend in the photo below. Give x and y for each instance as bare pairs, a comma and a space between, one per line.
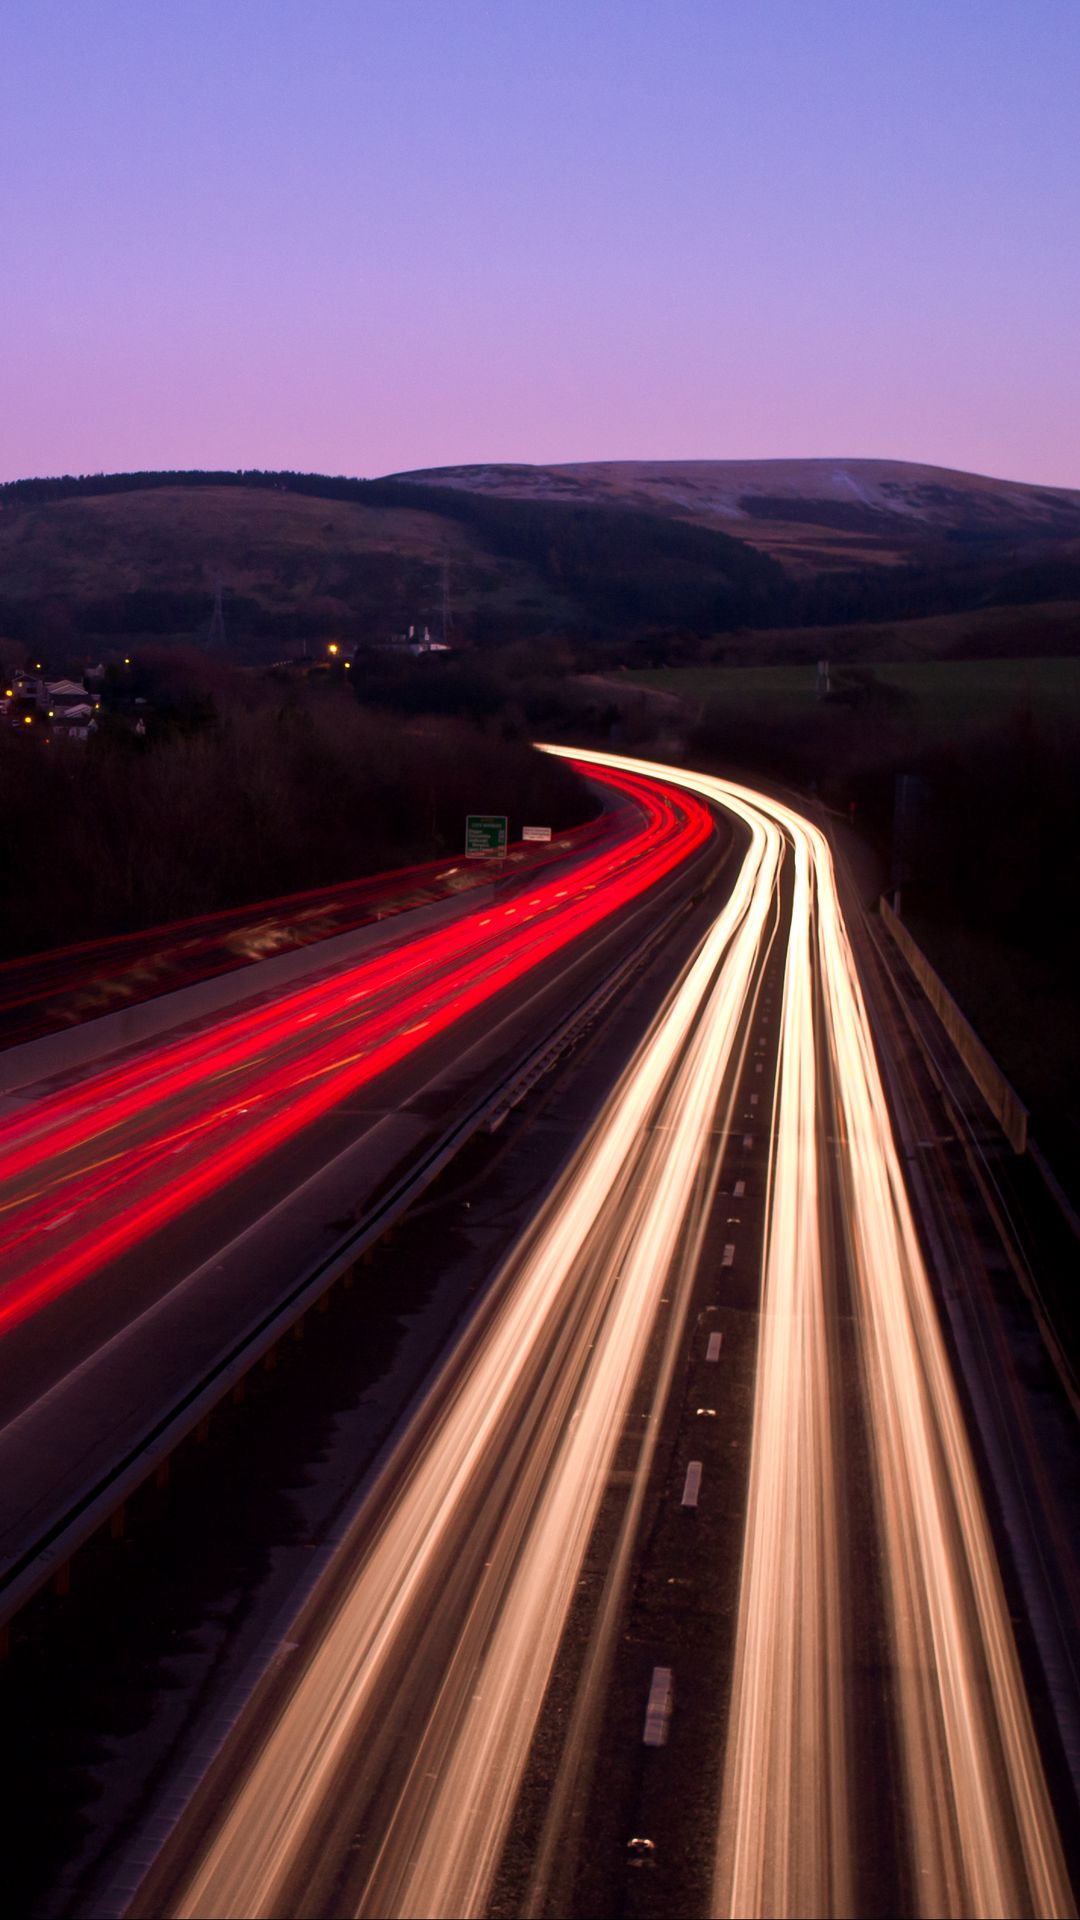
376, 1772
163, 1191
981, 1832
92, 1169
458, 1595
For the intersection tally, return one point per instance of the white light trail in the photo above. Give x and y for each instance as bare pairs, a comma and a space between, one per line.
608, 1234
786, 1840
529, 1422
985, 1837
981, 1828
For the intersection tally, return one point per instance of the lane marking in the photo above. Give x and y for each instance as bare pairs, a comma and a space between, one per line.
658, 1711
712, 1351
727, 1258
692, 1484
738, 1191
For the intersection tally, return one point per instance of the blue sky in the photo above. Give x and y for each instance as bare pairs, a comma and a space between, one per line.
361, 235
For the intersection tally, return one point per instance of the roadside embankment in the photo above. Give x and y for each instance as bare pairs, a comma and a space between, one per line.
1002, 1099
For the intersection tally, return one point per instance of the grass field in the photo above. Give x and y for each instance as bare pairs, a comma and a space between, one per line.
948, 693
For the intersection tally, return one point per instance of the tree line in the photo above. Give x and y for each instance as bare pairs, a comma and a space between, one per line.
229, 805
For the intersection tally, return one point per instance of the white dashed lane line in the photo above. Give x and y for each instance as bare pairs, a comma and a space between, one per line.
659, 1708
692, 1484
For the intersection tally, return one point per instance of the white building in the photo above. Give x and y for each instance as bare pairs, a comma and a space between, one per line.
59, 696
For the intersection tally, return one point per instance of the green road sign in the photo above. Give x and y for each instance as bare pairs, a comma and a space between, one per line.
485, 835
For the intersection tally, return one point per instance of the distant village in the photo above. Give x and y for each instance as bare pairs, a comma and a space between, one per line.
71, 709
60, 709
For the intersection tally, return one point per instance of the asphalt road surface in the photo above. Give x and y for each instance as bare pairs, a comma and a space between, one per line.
153, 1204
48, 992
377, 1768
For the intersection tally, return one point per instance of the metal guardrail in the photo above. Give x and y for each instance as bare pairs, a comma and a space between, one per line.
987, 1179
1001, 1098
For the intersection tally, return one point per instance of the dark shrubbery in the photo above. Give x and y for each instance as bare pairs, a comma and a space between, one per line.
995, 848
121, 833
527, 689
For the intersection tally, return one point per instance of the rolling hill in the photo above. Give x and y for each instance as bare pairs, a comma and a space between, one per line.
294, 569
624, 556
810, 514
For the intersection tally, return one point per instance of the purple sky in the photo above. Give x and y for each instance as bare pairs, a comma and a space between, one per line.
365, 235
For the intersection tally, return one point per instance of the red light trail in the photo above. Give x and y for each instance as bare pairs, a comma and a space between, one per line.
96, 1163
42, 992
383, 1775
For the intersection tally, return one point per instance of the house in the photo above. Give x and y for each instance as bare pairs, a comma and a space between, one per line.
76, 722
58, 696
25, 686
412, 643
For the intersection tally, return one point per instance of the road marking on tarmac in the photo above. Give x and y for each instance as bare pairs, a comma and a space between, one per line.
658, 1711
692, 1484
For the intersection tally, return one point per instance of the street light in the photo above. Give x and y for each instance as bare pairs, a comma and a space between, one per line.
333, 647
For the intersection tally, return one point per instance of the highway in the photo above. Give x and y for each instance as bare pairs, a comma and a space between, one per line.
46, 992
377, 1768
93, 1168
977, 1810
157, 1203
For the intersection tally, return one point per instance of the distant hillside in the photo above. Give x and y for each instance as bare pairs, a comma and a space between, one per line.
304, 556
295, 570
636, 560
811, 514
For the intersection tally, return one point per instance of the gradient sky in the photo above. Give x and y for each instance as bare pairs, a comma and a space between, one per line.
365, 235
